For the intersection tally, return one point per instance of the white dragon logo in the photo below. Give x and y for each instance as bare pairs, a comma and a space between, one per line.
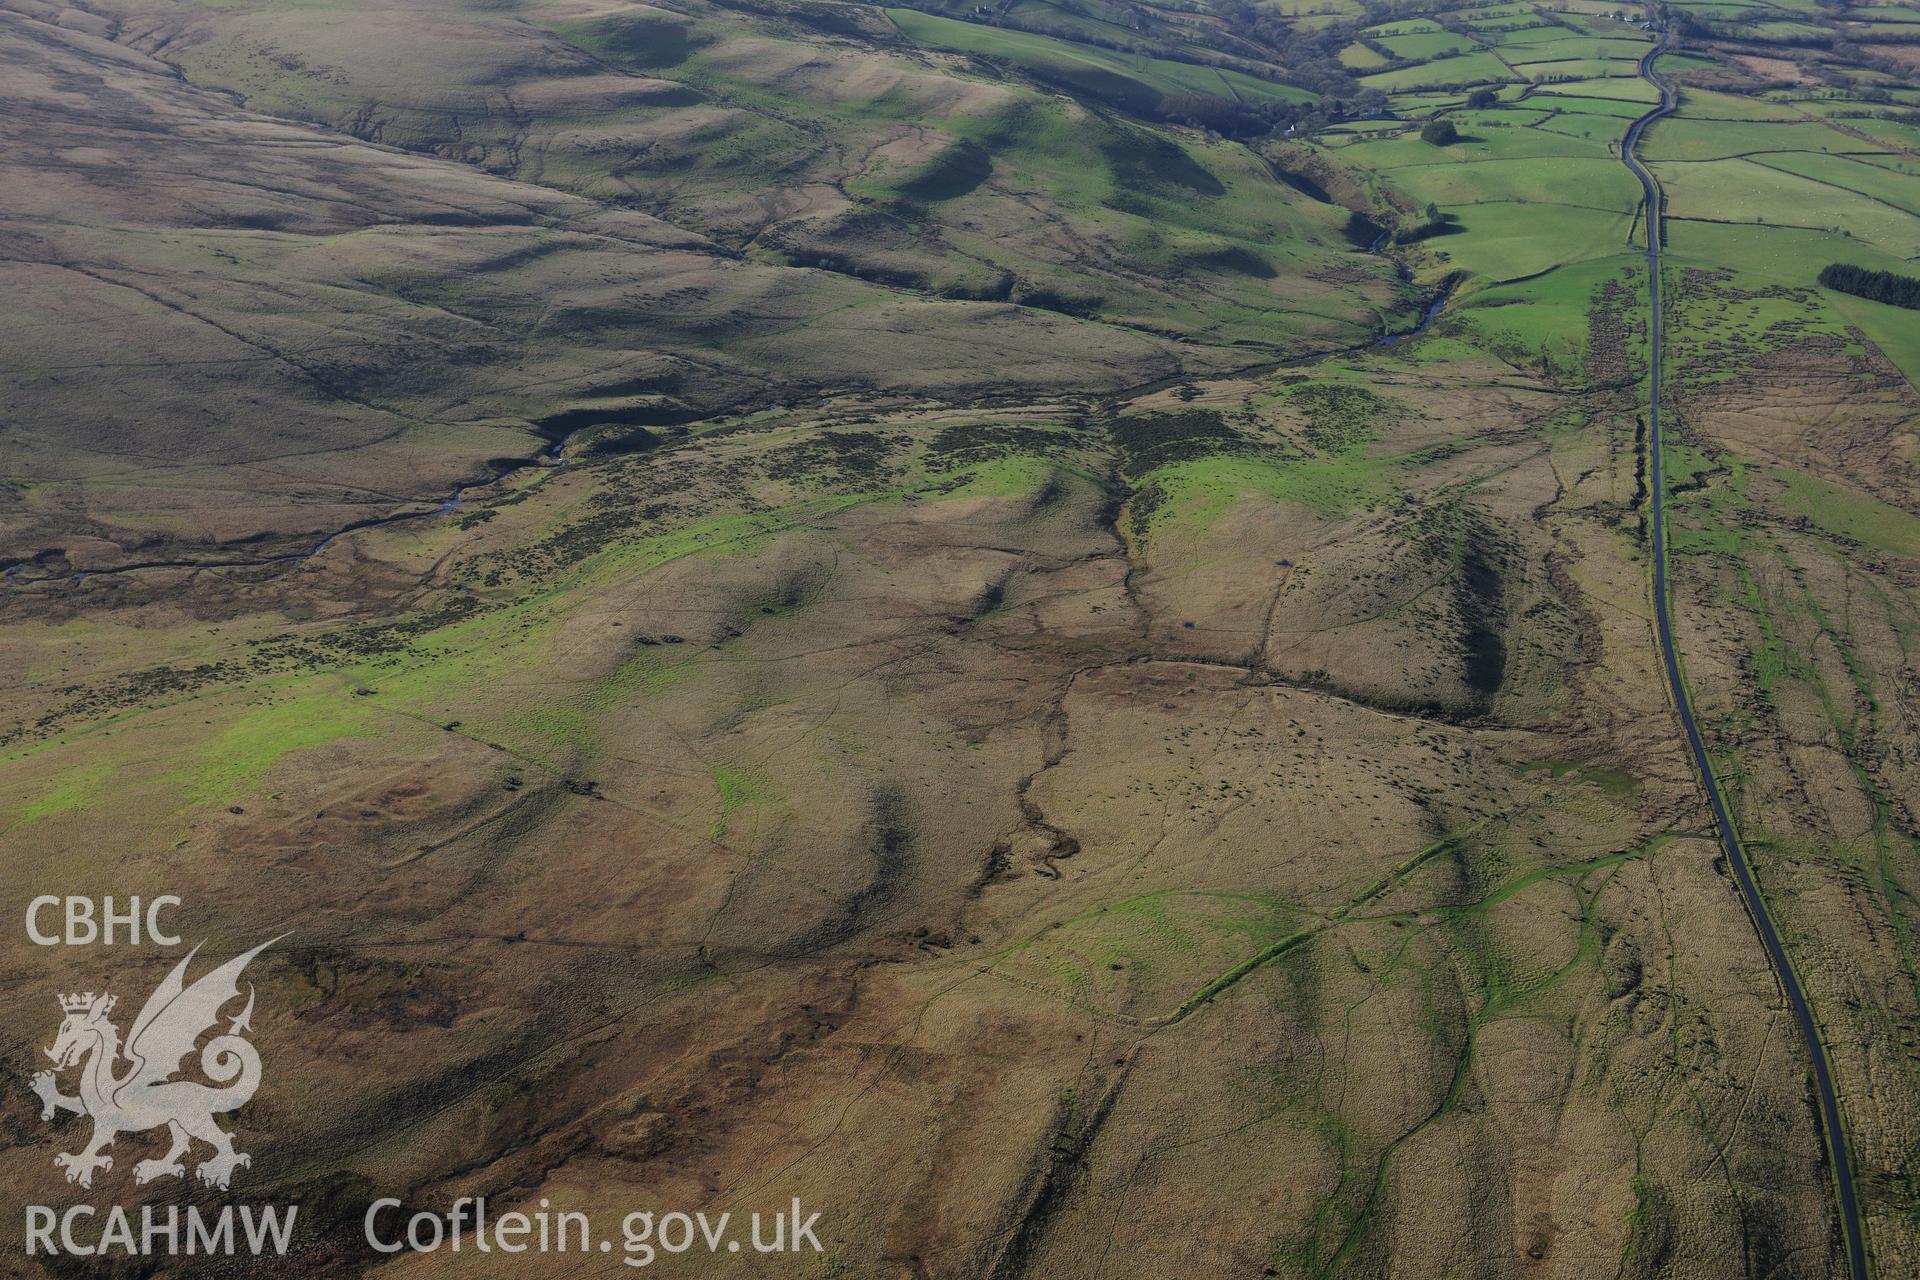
145, 1096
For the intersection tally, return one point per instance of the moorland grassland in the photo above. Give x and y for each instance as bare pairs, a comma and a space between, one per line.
1029, 622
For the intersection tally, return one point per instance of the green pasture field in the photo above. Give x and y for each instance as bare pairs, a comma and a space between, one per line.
1616, 89
1421, 46
1427, 103
1601, 108
1361, 58
1576, 69
1675, 64
1682, 138
1892, 133
1495, 27
1508, 27
1786, 33
1745, 191
1517, 115
1584, 125
1770, 254
1481, 140
1468, 69
1569, 47
1894, 161
1365, 130
1558, 181
1507, 241
1901, 190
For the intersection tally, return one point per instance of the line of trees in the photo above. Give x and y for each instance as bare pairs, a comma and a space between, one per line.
1878, 286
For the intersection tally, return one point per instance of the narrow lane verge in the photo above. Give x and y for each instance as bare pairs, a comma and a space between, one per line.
1830, 1119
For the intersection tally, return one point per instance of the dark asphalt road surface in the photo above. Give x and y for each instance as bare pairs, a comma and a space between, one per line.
1836, 1134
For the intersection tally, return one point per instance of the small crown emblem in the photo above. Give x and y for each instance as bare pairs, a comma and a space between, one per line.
144, 1094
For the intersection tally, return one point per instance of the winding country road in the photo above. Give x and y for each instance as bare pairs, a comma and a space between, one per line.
1830, 1122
